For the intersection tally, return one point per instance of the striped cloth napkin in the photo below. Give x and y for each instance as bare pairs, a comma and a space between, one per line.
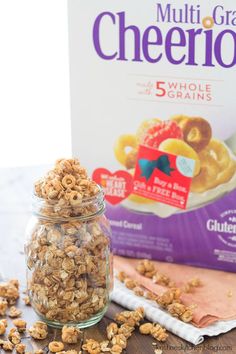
126, 298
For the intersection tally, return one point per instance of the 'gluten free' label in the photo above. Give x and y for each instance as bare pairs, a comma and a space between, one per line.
163, 177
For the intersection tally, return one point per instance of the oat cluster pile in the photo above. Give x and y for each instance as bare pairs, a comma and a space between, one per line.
68, 258
65, 188
120, 331
9, 294
170, 300
117, 332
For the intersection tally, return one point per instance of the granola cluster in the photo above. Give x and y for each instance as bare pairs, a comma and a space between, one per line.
14, 336
192, 284
14, 312
6, 345
39, 330
180, 311
168, 297
20, 348
55, 346
155, 330
131, 318
20, 324
146, 268
9, 293
92, 346
68, 257
70, 334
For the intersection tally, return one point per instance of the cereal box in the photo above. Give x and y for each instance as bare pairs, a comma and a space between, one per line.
153, 118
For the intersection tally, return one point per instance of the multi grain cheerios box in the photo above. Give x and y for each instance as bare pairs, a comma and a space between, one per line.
153, 118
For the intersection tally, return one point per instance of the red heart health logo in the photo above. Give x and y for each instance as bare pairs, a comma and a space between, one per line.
117, 186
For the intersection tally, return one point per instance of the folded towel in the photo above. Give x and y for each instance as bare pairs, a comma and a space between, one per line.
215, 299
126, 298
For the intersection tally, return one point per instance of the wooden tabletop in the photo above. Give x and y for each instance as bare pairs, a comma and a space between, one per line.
15, 191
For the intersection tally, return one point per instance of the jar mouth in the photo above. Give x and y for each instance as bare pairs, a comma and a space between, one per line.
52, 208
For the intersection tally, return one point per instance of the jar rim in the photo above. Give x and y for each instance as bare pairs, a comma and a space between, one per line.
97, 199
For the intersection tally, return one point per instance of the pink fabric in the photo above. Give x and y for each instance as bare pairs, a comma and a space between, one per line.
212, 298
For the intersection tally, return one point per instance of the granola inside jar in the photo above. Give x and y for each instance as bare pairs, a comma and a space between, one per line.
69, 273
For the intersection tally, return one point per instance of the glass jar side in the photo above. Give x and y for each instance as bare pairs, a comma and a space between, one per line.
69, 272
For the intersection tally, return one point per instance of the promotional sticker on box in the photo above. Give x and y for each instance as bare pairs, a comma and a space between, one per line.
153, 112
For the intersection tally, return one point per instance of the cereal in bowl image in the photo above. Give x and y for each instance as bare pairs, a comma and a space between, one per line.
190, 137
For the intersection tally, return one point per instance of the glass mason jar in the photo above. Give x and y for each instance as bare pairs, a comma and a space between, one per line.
69, 269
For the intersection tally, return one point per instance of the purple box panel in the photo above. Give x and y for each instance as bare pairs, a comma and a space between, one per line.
205, 237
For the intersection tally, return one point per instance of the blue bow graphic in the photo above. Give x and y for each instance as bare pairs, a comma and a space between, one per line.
162, 163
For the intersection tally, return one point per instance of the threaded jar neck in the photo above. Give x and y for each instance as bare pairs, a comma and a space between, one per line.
84, 209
